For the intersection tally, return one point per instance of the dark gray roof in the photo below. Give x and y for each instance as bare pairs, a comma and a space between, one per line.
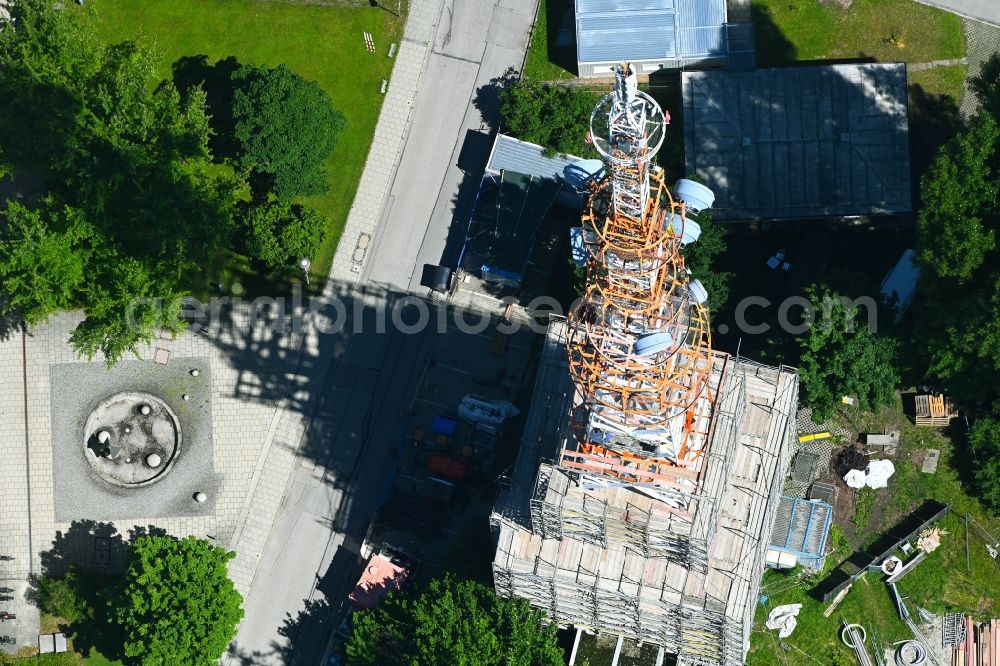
510, 154
620, 30
800, 141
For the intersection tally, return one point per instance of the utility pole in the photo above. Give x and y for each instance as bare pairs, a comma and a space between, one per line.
304, 264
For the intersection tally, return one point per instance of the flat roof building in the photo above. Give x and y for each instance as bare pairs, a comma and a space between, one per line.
650, 34
800, 142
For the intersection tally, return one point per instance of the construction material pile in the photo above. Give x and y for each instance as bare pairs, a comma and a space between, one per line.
978, 644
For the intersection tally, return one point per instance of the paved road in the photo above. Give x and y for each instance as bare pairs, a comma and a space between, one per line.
344, 469
981, 10
476, 42
310, 557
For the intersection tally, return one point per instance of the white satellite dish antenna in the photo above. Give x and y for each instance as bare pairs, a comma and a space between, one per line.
691, 229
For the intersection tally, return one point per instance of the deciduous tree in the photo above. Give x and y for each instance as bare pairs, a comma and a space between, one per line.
279, 233
957, 314
840, 355
557, 117
131, 157
459, 623
699, 256
285, 128
985, 442
43, 260
956, 224
178, 605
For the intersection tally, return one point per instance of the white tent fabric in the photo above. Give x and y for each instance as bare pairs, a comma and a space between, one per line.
879, 472
783, 619
855, 479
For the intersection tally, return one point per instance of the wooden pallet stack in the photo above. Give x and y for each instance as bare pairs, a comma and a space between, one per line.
934, 411
981, 646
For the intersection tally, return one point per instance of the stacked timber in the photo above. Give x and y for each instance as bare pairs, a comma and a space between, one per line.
934, 411
981, 646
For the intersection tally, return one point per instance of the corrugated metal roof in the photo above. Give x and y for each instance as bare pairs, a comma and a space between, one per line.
607, 6
510, 154
614, 30
801, 141
701, 41
618, 37
801, 526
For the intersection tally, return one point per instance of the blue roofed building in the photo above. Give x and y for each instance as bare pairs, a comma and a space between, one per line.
801, 530
650, 34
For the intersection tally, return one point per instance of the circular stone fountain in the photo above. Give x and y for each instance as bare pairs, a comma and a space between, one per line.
132, 439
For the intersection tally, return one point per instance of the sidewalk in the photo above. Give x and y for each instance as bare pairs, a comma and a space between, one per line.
276, 463
387, 144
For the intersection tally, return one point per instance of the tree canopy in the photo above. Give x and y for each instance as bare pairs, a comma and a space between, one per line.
177, 605
459, 623
557, 117
278, 233
133, 203
284, 128
957, 319
698, 258
43, 262
840, 355
956, 224
984, 440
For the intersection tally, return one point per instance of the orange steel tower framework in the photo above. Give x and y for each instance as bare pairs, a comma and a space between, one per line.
639, 344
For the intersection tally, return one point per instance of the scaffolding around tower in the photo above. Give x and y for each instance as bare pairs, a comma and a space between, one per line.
651, 466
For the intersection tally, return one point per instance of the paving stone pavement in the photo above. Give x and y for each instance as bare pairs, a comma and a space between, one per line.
245, 402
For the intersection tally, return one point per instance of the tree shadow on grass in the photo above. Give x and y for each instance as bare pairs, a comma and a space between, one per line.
97, 554
964, 459
561, 54
217, 82
773, 48
934, 119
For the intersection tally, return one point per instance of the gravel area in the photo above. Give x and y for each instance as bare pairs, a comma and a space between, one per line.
77, 388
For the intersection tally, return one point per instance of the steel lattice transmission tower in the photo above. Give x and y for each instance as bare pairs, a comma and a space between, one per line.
639, 345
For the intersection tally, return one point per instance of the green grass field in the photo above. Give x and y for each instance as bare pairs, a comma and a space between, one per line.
545, 61
321, 43
882, 30
948, 81
940, 583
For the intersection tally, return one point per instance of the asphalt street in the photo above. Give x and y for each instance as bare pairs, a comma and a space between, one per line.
345, 465
310, 560
449, 139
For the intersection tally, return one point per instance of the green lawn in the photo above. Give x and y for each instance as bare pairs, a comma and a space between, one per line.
545, 61
882, 30
321, 43
816, 639
949, 81
940, 583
